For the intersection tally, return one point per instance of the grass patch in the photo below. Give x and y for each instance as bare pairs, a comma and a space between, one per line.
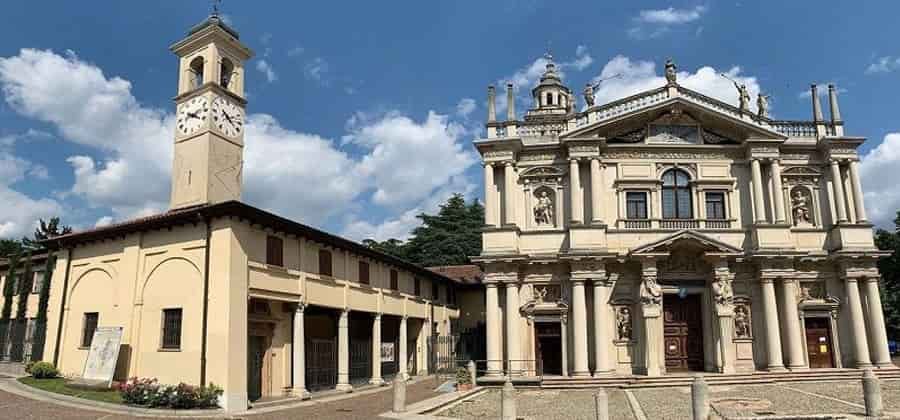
60, 386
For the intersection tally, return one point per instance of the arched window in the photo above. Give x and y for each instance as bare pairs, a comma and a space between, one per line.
549, 98
226, 71
676, 195
197, 72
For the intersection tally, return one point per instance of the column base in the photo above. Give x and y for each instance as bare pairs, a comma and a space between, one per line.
376, 381
796, 368
602, 373
864, 366
887, 365
301, 393
776, 369
584, 374
344, 388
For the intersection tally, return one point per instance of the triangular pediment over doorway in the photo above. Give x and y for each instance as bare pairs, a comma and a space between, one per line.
706, 244
661, 116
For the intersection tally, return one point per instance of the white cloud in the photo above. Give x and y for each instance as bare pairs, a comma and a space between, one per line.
637, 76
296, 51
465, 107
884, 64
19, 212
263, 66
299, 175
878, 173
653, 23
316, 69
104, 221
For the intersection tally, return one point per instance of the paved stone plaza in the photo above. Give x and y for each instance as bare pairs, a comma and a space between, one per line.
842, 398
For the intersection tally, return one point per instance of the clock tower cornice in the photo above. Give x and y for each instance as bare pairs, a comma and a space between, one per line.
214, 88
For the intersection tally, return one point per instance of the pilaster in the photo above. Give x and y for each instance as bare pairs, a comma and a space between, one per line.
651, 312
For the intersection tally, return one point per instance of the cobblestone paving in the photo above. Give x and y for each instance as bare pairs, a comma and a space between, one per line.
359, 407
852, 391
665, 403
542, 404
784, 401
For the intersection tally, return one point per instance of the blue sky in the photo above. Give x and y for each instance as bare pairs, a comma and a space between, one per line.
363, 113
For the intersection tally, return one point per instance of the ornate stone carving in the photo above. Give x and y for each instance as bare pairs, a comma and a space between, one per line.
623, 323
671, 72
743, 96
498, 155
800, 207
546, 293
531, 157
723, 293
651, 291
543, 208
634, 136
589, 94
762, 105
742, 326
675, 155
812, 290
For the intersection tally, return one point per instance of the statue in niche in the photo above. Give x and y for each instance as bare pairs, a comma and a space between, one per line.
671, 72
762, 105
543, 210
540, 294
800, 207
651, 291
742, 321
623, 323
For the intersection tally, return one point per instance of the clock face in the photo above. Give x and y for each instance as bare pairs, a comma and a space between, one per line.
228, 117
192, 115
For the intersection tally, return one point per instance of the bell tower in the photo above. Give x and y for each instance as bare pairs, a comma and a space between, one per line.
210, 114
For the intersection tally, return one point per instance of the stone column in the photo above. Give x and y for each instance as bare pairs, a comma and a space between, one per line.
343, 382
492, 326
838, 185
601, 327
770, 313
792, 332
299, 354
513, 354
881, 356
759, 208
376, 351
490, 197
575, 190
509, 179
579, 329
402, 369
492, 104
857, 193
564, 333
651, 312
777, 192
596, 192
857, 320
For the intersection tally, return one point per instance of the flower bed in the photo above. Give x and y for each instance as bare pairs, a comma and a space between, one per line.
150, 393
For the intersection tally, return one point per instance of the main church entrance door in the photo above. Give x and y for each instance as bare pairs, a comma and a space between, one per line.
683, 332
548, 346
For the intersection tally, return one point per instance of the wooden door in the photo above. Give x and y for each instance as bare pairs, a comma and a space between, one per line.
683, 332
256, 353
818, 343
548, 347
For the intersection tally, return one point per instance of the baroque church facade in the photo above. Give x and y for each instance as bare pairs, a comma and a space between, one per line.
669, 231
215, 291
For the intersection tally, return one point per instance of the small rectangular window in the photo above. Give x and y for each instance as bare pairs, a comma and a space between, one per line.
325, 263
395, 283
363, 272
89, 325
274, 251
417, 286
636, 205
171, 333
715, 205
38, 281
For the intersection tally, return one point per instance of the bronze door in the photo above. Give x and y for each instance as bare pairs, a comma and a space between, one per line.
818, 343
548, 347
683, 332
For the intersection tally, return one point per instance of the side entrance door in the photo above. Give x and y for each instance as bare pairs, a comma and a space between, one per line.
256, 352
548, 347
818, 343
683, 332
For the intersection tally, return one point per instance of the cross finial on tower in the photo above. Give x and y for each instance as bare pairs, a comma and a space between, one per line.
215, 7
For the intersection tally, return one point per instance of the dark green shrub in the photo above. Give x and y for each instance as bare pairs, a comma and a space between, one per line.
44, 370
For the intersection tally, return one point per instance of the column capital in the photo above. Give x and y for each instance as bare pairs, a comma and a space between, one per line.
509, 163
871, 279
487, 164
509, 284
577, 280
766, 280
300, 307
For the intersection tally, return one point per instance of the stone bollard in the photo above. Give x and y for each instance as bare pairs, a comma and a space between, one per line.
872, 394
601, 405
399, 395
700, 398
472, 372
508, 401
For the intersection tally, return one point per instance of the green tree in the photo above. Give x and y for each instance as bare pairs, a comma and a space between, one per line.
890, 277
10, 247
46, 230
449, 237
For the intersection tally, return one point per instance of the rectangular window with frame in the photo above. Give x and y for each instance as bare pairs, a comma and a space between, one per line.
38, 281
395, 282
274, 251
417, 286
715, 205
363, 272
171, 331
635, 205
325, 266
88, 326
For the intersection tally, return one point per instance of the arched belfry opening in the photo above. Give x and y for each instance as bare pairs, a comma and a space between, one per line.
226, 73
197, 72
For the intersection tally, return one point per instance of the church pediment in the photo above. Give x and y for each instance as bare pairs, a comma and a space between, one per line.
704, 243
680, 120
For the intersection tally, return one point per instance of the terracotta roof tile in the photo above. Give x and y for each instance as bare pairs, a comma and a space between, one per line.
467, 274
